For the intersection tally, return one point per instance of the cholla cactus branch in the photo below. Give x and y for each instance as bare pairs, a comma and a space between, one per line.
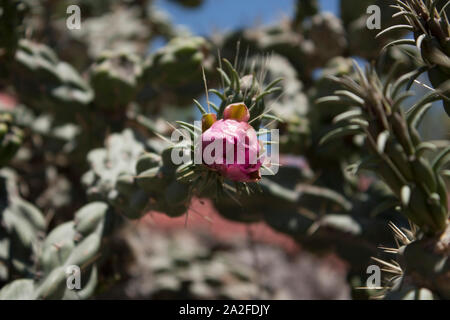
431, 30
393, 138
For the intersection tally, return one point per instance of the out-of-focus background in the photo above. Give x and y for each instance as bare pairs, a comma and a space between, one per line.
224, 16
85, 174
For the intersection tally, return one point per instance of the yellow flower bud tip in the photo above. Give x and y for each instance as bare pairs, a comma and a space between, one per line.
207, 121
237, 111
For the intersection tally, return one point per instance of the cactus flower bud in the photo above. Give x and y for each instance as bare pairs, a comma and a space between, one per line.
207, 121
237, 111
236, 150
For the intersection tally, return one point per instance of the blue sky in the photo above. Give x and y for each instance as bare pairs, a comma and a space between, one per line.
226, 15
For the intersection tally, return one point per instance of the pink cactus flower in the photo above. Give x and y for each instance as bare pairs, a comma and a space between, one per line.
232, 148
